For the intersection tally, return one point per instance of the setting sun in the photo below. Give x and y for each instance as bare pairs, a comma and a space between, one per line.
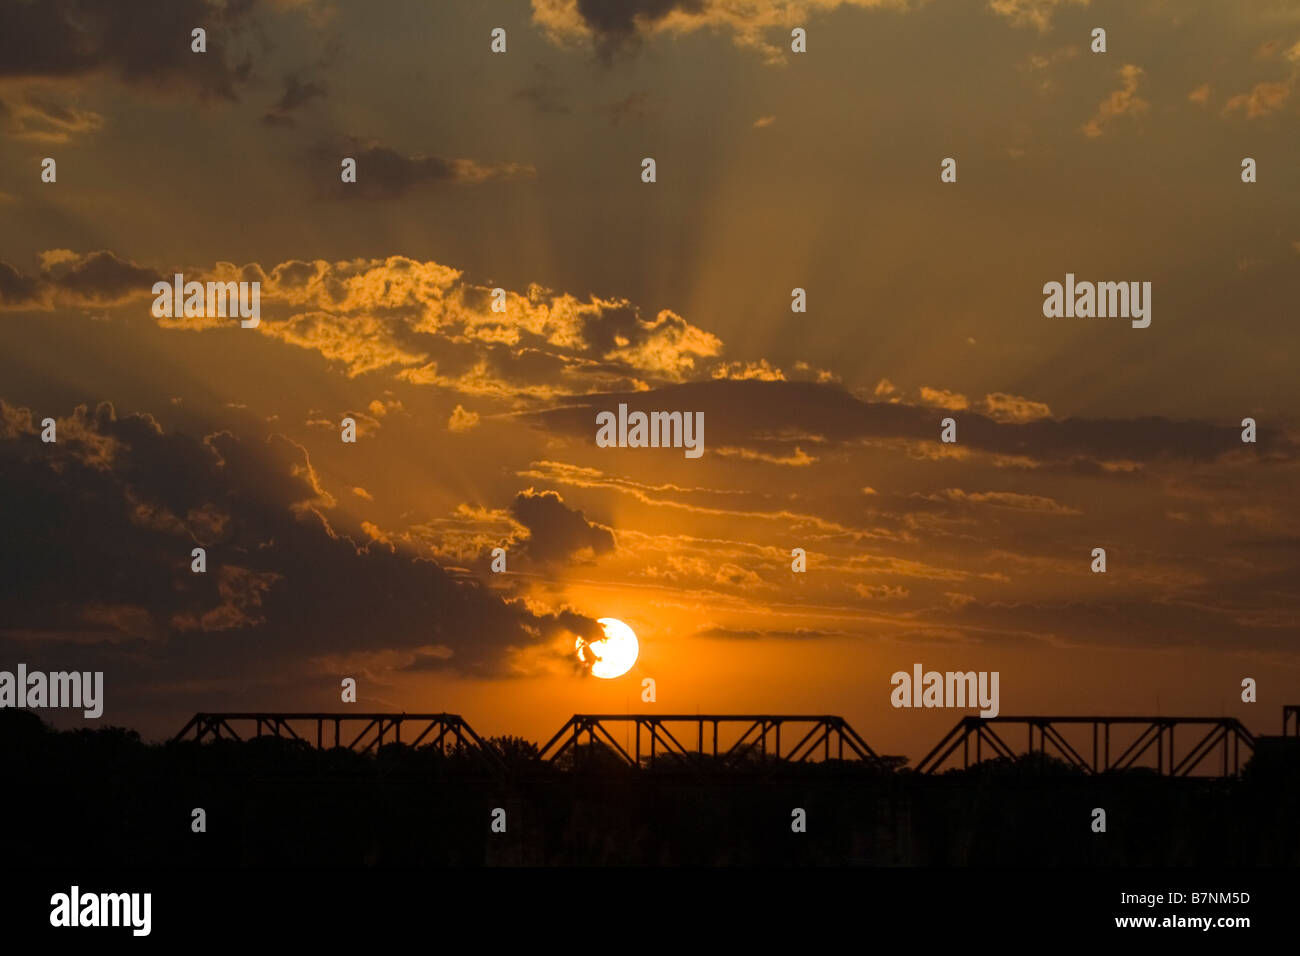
613, 655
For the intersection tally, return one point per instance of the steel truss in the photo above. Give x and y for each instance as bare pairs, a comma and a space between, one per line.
804, 736
774, 738
1227, 732
447, 732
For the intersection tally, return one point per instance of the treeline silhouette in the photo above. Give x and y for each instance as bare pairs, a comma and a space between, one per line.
104, 797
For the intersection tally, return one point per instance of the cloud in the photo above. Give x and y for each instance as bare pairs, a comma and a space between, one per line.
1039, 66
667, 496
1002, 407
297, 94
417, 319
761, 371
1031, 13
745, 413
1263, 99
36, 118
618, 26
746, 634
284, 584
557, 532
461, 420
1121, 102
145, 45
1008, 499
384, 173
942, 398
69, 279
1200, 95
881, 592
764, 121
798, 459
667, 345
558, 360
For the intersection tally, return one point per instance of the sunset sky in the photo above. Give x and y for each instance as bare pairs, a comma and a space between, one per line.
775, 170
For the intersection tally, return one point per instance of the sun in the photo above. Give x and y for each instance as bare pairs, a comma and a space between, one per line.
614, 654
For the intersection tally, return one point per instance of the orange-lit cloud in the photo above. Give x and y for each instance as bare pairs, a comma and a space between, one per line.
1032, 13
462, 420
618, 24
1122, 102
1013, 408
1264, 98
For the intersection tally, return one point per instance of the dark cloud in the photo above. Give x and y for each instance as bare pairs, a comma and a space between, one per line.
144, 42
297, 94
384, 173
101, 277
556, 531
17, 289
617, 23
419, 316
739, 412
96, 534
72, 279
622, 16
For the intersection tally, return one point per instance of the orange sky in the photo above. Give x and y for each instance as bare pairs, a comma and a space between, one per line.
776, 170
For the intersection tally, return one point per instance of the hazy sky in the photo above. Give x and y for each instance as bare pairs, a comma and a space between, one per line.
775, 170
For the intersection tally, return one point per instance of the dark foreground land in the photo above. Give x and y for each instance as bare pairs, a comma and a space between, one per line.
104, 797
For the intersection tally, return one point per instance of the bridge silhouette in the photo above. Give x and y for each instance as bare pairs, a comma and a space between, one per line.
729, 740
446, 732
1208, 733
760, 731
